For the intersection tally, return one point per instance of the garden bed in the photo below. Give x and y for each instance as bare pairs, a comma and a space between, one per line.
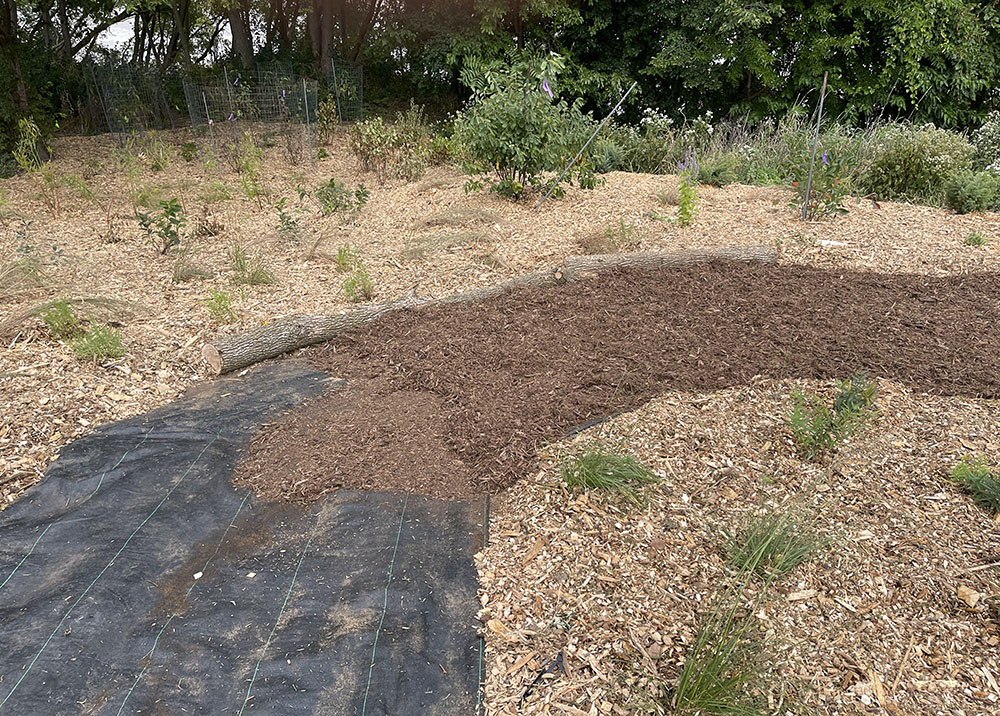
427, 234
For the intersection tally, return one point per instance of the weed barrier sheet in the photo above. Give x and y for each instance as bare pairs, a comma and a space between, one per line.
135, 579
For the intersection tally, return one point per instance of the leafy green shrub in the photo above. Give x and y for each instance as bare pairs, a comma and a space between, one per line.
398, 150
911, 162
347, 257
973, 473
829, 187
98, 343
358, 286
598, 468
61, 321
327, 119
335, 198
250, 270
975, 239
189, 151
818, 429
987, 142
774, 543
220, 307
514, 128
164, 231
718, 170
606, 155
967, 191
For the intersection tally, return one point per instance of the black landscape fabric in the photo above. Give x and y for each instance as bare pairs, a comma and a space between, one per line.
134, 579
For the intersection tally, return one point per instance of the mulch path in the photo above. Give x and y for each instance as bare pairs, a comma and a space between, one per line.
455, 400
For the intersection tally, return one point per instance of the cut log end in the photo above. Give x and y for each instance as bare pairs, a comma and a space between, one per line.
212, 357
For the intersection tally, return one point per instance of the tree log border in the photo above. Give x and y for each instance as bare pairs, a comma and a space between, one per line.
287, 334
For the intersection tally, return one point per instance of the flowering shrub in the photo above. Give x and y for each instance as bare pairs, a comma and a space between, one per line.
987, 142
915, 162
515, 128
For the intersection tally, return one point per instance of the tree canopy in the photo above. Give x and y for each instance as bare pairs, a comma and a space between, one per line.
933, 60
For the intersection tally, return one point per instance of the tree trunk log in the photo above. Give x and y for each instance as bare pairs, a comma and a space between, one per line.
298, 331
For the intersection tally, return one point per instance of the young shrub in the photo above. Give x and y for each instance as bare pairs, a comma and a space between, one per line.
818, 429
249, 270
398, 150
911, 162
98, 343
61, 321
327, 120
335, 198
347, 258
967, 191
973, 473
829, 187
975, 238
600, 468
358, 286
189, 151
220, 307
516, 129
164, 231
774, 543
288, 225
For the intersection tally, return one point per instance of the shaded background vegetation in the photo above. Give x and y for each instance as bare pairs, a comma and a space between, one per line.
928, 60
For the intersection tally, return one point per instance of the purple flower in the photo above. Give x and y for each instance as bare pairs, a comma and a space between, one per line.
548, 90
825, 161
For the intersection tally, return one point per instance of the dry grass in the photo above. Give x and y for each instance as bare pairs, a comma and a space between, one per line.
423, 247
457, 216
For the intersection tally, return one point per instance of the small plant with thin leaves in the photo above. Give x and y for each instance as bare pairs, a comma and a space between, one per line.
249, 270
774, 543
187, 270
220, 307
61, 320
818, 428
973, 473
288, 225
347, 258
358, 286
600, 468
98, 343
975, 239
623, 236
687, 192
164, 231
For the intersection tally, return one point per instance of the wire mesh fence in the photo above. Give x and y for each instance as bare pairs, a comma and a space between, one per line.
234, 112
347, 89
129, 99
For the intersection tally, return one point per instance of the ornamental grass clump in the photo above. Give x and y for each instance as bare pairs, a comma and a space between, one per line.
601, 468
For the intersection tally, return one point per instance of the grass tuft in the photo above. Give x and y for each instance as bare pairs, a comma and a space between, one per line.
975, 239
973, 473
186, 270
347, 258
774, 543
600, 469
249, 270
459, 216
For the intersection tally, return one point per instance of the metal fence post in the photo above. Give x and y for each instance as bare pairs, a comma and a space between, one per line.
812, 159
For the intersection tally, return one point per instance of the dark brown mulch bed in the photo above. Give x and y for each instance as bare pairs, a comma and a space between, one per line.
453, 400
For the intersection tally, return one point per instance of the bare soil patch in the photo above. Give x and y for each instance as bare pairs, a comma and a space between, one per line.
504, 375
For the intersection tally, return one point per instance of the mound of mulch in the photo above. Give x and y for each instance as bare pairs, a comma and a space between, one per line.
455, 400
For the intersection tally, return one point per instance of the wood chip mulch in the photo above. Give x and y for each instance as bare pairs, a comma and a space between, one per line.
894, 616
500, 377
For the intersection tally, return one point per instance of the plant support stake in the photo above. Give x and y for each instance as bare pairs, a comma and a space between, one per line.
584, 147
305, 103
812, 159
